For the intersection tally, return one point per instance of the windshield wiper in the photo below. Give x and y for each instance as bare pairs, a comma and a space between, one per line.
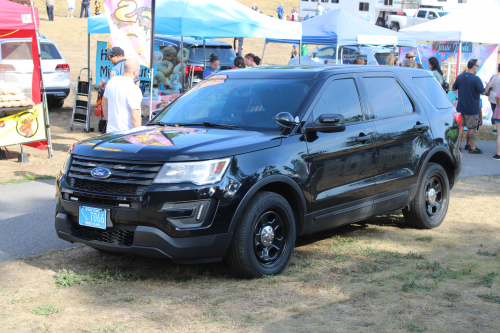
210, 124
159, 123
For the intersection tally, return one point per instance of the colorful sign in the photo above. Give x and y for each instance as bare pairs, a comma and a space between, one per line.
103, 65
130, 27
23, 127
452, 47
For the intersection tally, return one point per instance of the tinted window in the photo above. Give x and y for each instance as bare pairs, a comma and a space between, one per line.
341, 97
406, 100
441, 14
49, 51
249, 104
16, 51
383, 93
422, 13
432, 91
225, 53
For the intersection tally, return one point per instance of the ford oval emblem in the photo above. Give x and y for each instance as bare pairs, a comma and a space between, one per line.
101, 173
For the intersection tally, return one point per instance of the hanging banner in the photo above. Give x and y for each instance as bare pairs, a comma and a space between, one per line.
103, 65
23, 127
452, 47
130, 27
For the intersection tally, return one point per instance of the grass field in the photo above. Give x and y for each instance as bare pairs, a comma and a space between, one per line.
374, 276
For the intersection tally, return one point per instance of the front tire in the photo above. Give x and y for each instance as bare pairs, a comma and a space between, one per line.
395, 27
430, 204
264, 238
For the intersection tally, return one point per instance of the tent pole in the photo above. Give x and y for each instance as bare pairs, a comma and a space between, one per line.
300, 51
88, 52
342, 55
419, 57
182, 73
458, 58
337, 56
44, 95
204, 54
151, 57
264, 50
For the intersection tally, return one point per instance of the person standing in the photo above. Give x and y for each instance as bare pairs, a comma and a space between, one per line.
50, 9
71, 7
254, 7
280, 10
496, 116
320, 10
86, 7
239, 62
295, 51
97, 7
252, 60
214, 66
295, 15
469, 88
435, 68
122, 99
392, 60
411, 56
492, 88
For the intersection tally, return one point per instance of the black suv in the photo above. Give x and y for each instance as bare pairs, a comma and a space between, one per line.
248, 160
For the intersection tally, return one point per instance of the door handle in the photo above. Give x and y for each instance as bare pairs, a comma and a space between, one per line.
419, 126
364, 138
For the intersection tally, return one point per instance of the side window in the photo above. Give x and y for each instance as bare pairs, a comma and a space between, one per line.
433, 91
432, 16
421, 13
384, 96
341, 97
409, 108
326, 53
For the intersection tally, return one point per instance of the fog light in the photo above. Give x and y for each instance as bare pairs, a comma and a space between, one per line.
189, 214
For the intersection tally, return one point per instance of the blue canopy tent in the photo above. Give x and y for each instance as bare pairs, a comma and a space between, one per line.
341, 28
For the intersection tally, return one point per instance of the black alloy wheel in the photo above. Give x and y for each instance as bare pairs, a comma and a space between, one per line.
264, 238
430, 204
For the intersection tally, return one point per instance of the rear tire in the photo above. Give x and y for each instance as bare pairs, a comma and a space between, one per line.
381, 22
430, 204
56, 103
395, 27
264, 238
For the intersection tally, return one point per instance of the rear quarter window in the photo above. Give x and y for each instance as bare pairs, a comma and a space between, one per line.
16, 51
49, 51
433, 92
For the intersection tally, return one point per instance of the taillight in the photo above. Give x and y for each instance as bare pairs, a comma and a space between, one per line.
196, 68
6, 68
458, 118
62, 67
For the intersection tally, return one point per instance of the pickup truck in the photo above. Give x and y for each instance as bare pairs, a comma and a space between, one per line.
397, 22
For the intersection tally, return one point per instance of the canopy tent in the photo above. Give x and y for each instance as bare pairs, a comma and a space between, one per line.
16, 22
475, 22
19, 21
210, 19
341, 28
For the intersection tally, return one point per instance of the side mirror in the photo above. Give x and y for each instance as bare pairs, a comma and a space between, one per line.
286, 119
327, 123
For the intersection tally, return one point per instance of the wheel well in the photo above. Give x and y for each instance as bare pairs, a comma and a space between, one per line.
443, 160
289, 193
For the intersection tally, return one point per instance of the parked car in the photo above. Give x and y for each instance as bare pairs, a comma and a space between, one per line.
16, 54
397, 22
223, 50
371, 55
248, 160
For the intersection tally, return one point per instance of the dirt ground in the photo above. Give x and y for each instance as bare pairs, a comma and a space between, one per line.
374, 276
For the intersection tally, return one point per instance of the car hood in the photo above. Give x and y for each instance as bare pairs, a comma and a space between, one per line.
159, 143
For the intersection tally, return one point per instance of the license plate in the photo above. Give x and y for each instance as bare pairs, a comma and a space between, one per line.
92, 217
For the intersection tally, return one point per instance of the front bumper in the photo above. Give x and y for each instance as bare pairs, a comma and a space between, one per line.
150, 242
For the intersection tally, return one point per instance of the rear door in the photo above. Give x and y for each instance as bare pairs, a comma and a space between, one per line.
342, 184
403, 134
53, 76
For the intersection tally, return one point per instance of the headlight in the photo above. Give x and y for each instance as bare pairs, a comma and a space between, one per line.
198, 173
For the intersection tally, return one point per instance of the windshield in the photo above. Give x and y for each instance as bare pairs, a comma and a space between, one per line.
225, 53
441, 14
249, 104
382, 57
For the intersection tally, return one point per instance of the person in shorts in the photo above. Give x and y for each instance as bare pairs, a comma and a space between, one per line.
469, 88
71, 7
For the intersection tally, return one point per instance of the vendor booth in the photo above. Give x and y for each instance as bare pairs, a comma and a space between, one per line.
202, 19
341, 28
465, 34
23, 117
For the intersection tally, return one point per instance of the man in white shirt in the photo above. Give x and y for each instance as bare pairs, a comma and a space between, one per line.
320, 10
122, 99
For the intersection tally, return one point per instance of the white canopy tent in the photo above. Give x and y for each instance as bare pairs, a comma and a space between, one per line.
475, 22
